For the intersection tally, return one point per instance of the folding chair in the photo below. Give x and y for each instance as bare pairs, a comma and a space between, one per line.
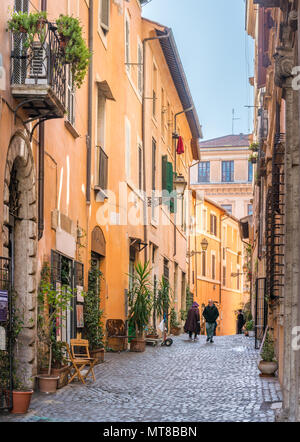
80, 361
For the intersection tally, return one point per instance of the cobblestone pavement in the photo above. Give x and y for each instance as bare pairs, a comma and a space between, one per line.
188, 382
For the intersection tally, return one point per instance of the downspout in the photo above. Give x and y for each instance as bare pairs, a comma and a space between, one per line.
144, 133
175, 164
41, 175
90, 104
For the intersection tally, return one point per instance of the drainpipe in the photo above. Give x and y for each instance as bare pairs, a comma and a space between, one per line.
175, 173
144, 132
41, 175
90, 104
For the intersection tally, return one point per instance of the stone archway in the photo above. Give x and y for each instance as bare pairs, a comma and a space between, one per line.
20, 243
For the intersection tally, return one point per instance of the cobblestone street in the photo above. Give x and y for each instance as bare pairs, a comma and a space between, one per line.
190, 381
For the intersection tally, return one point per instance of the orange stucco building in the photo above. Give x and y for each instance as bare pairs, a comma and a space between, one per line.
87, 184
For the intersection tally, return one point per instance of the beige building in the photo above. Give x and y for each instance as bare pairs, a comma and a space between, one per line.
225, 174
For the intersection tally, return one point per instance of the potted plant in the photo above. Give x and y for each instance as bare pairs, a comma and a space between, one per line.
183, 314
249, 326
151, 333
175, 327
52, 306
140, 300
268, 365
92, 314
30, 24
254, 147
74, 48
13, 379
253, 157
164, 299
60, 366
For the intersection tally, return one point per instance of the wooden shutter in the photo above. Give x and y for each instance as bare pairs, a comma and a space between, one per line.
140, 171
153, 164
215, 225
104, 14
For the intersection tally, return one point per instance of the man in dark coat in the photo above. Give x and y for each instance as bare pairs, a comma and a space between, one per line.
240, 322
210, 313
192, 323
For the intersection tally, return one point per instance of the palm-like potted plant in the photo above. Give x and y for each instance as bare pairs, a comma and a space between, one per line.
175, 327
164, 299
92, 313
268, 364
249, 326
53, 304
140, 300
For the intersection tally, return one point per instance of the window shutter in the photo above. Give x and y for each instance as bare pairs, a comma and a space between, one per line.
21, 5
164, 161
153, 164
104, 14
211, 224
215, 225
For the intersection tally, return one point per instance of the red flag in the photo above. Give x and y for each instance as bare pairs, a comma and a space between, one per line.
180, 146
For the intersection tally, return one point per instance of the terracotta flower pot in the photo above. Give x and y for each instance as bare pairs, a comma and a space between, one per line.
21, 401
62, 374
176, 331
98, 354
47, 384
116, 344
268, 368
137, 345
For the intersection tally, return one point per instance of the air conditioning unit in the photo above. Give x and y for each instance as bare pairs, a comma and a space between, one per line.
37, 64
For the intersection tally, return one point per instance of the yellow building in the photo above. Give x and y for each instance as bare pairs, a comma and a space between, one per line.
89, 180
217, 258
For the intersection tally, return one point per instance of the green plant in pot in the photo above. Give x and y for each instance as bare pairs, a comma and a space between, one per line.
164, 299
140, 301
93, 314
74, 49
17, 394
268, 364
53, 305
175, 326
30, 24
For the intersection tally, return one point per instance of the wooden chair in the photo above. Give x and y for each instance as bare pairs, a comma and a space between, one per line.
80, 360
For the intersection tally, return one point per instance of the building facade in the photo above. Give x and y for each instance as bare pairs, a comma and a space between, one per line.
224, 173
274, 25
86, 184
218, 255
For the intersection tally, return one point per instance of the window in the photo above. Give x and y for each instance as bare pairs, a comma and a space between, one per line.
127, 146
70, 97
250, 209
104, 15
227, 207
213, 266
166, 269
154, 95
203, 263
227, 171
127, 43
213, 225
163, 111
204, 220
140, 167
204, 172
238, 280
140, 68
167, 183
250, 172
21, 5
224, 276
153, 177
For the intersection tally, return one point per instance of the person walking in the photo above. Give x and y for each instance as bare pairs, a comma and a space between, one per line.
210, 313
192, 323
240, 322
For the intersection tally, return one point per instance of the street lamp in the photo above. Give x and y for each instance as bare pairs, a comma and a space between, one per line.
180, 185
204, 244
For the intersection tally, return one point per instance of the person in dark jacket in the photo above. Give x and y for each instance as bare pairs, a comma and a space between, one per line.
210, 313
192, 323
240, 322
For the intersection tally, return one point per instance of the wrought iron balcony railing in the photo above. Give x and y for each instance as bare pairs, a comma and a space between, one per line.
38, 74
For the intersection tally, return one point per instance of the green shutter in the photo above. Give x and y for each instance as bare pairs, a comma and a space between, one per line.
164, 161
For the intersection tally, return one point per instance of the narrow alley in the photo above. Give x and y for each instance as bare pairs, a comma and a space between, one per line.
188, 382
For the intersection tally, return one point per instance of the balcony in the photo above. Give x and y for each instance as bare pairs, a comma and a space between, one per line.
38, 75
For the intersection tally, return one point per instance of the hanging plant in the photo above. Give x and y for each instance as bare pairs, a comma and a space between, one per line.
75, 51
253, 157
254, 147
30, 24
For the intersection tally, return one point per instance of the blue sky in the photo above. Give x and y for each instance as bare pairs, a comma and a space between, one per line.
217, 56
